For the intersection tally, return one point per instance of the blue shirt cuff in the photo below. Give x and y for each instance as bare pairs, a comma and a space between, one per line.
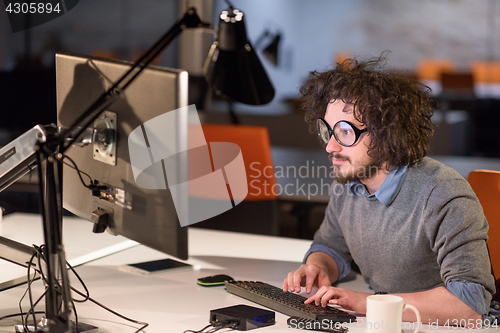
492, 319
342, 264
470, 293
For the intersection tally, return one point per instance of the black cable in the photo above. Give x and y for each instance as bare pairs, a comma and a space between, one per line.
114, 312
39, 255
29, 288
87, 293
231, 325
32, 311
40, 251
18, 315
79, 172
199, 331
28, 292
212, 329
93, 186
87, 297
121, 323
229, 4
215, 329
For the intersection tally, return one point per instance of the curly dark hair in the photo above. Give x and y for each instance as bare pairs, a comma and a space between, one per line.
396, 109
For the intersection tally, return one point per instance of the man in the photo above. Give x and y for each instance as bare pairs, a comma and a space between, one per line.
413, 226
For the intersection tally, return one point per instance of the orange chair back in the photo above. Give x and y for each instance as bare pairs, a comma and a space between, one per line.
431, 69
108, 54
486, 71
341, 57
256, 151
486, 185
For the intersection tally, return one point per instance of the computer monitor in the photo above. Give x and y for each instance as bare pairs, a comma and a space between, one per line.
147, 216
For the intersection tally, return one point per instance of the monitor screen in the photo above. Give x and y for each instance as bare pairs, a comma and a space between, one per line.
147, 216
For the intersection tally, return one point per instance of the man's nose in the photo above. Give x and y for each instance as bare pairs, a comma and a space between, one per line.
333, 146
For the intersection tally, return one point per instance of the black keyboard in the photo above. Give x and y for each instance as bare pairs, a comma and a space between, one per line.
288, 303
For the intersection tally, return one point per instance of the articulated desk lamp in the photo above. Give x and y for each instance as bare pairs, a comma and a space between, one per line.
232, 69
271, 50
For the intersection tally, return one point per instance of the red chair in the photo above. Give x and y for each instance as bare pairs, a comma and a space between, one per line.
486, 185
258, 213
432, 68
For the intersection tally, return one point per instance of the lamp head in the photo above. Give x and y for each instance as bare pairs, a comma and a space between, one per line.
271, 51
232, 67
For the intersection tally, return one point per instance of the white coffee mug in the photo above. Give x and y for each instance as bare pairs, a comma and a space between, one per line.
384, 314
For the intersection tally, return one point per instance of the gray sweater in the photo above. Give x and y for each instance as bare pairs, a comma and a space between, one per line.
434, 232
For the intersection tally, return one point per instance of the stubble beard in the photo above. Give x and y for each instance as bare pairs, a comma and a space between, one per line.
365, 170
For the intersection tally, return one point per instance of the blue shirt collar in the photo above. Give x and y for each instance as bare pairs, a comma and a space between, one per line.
389, 188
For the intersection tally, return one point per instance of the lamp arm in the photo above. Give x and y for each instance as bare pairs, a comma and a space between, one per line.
44, 143
58, 298
229, 4
68, 136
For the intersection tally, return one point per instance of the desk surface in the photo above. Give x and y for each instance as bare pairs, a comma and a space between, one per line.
170, 301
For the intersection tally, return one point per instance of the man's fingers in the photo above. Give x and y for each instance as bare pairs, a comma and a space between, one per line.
289, 281
306, 276
293, 281
324, 296
311, 299
297, 278
330, 294
316, 298
343, 302
285, 285
310, 278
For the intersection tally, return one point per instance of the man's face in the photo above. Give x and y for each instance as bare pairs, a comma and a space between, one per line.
349, 163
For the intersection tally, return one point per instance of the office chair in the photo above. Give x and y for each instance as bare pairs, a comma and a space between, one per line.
341, 57
258, 212
486, 185
458, 82
432, 68
104, 53
486, 71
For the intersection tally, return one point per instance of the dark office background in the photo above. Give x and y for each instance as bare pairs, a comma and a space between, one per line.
313, 34
313, 31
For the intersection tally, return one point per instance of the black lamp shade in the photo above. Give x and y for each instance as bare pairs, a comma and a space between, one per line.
271, 51
232, 68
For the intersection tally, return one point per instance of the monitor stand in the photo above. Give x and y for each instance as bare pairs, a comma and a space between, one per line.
82, 327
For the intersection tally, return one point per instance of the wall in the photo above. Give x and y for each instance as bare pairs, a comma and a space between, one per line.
314, 31
120, 25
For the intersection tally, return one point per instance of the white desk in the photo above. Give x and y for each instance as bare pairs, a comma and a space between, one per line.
171, 301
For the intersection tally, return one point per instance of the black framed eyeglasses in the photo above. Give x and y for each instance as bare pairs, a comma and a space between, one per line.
343, 131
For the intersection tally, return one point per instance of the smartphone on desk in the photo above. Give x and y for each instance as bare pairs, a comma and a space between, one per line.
148, 267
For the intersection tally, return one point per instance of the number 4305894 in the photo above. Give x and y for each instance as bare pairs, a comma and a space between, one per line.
32, 8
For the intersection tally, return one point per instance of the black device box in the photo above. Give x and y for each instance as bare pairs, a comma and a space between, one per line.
244, 317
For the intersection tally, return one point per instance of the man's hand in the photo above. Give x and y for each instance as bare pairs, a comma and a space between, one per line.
348, 299
306, 275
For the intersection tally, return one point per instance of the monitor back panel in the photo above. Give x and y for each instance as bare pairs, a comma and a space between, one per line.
149, 216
